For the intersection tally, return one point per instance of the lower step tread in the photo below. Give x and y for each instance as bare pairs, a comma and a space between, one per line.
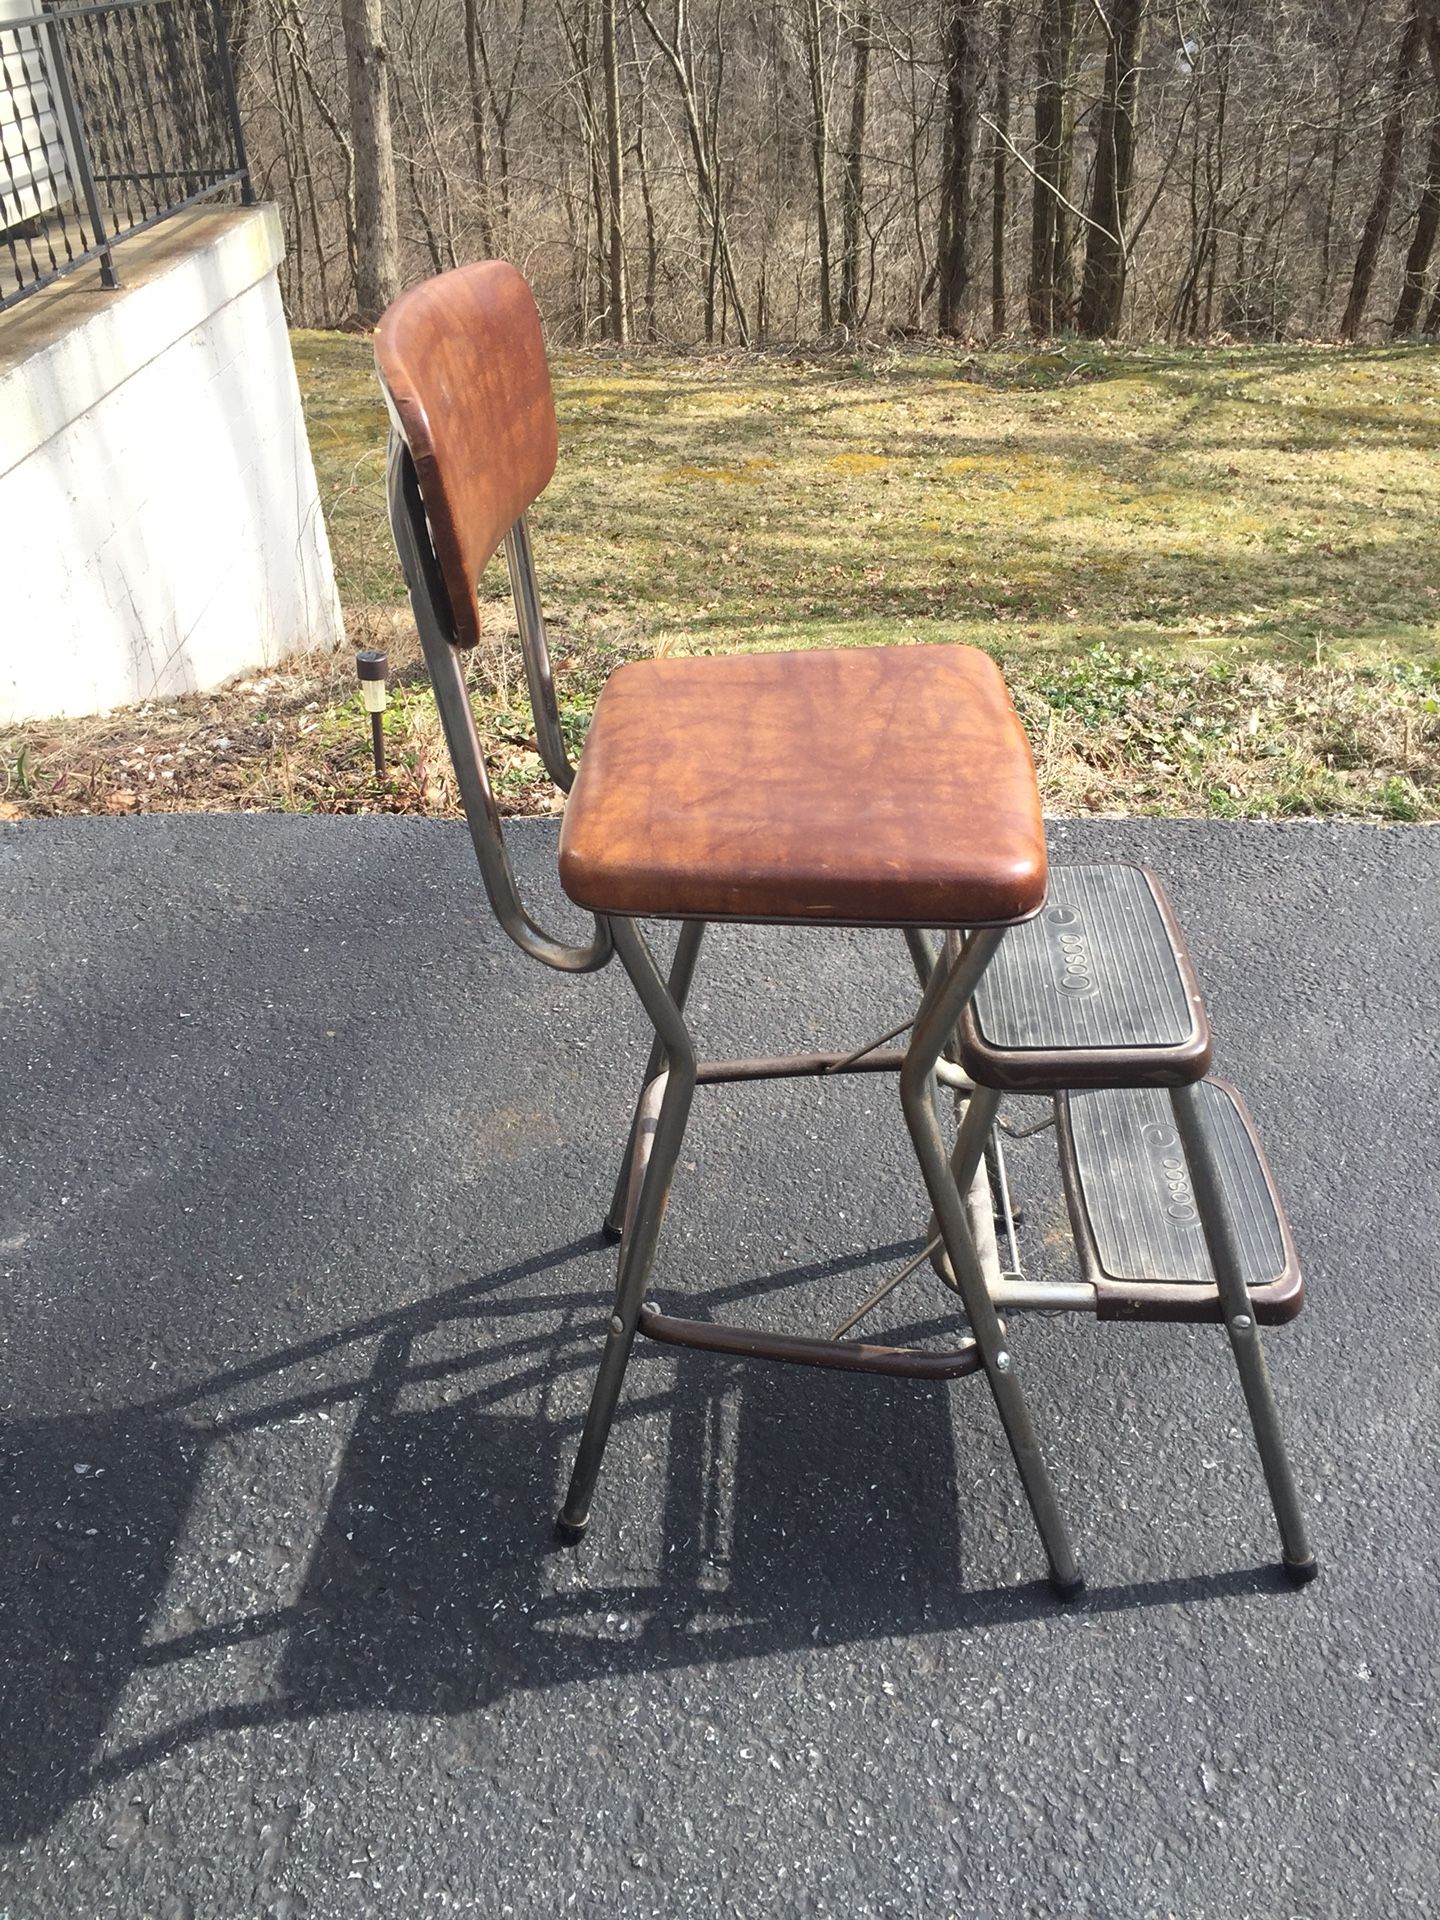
1133, 1207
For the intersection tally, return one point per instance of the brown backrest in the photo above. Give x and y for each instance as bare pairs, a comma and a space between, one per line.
462, 362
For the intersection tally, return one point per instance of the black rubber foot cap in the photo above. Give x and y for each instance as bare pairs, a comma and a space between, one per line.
570, 1532
1301, 1572
1068, 1589
613, 1234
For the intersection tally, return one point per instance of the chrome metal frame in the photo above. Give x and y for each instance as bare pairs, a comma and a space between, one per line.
961, 1240
1223, 1246
431, 607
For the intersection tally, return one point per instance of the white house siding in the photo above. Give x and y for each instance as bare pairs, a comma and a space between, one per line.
33, 173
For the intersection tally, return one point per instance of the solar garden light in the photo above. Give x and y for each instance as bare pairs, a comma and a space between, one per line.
372, 669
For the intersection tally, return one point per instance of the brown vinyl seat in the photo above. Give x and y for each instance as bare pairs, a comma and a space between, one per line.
865, 786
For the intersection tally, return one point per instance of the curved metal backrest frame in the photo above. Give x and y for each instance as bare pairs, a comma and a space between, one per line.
462, 364
434, 620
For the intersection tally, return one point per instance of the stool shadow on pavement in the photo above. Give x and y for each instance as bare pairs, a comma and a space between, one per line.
783, 1510
92, 1506
429, 1591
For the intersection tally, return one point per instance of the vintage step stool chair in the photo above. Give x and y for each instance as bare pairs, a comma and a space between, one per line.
873, 787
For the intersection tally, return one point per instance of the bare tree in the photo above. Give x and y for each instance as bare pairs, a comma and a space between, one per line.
1392, 142
1107, 253
1051, 167
813, 37
819, 160
1427, 218
961, 58
677, 48
475, 64
999, 164
377, 237
619, 292
852, 179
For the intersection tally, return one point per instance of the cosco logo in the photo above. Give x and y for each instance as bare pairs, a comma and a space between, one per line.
1170, 1165
1072, 950
1177, 1182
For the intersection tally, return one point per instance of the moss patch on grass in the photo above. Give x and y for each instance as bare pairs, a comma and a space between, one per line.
1207, 574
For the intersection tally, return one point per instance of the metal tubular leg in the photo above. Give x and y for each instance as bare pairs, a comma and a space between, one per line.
975, 1112
637, 1252
972, 1176
1244, 1335
940, 1011
1000, 1186
974, 1185
922, 955
682, 970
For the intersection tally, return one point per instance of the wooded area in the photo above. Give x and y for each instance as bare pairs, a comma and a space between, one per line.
681, 170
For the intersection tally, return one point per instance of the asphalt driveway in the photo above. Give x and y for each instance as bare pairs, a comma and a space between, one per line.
300, 1291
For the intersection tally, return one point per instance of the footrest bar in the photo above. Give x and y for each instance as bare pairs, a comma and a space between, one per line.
1011, 1293
820, 1066
799, 1066
843, 1356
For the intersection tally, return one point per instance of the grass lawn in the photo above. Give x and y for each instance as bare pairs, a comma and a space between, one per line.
1209, 576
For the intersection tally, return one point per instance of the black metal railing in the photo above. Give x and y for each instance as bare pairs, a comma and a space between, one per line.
113, 116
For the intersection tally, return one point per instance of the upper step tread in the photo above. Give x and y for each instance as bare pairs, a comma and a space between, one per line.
1097, 990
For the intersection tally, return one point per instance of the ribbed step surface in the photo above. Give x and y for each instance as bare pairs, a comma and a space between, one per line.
1097, 990
1133, 1206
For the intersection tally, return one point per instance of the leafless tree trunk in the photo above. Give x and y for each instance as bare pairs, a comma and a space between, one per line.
852, 190
1341, 129
961, 60
377, 269
999, 165
1427, 218
1051, 163
619, 311
501, 91
474, 68
647, 198
1102, 291
295, 79
678, 53
1392, 141
814, 39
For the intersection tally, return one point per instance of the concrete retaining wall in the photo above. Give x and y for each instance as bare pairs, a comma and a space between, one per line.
160, 527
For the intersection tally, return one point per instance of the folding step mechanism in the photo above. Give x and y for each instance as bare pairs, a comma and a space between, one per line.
1173, 1207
